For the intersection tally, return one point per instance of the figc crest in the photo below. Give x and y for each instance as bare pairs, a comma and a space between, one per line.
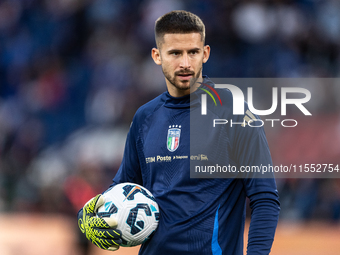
174, 134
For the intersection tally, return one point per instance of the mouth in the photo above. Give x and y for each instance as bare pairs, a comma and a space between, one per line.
185, 76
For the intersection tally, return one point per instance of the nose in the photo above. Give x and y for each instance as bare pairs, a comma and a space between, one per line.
185, 62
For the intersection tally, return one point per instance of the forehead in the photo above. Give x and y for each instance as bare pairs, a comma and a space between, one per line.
182, 41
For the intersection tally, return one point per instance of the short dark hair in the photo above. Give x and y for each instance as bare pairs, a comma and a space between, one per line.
178, 22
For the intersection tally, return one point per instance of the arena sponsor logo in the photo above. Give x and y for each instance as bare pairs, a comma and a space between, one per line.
200, 157
249, 118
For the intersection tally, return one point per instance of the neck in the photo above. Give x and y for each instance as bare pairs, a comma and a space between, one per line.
178, 92
175, 92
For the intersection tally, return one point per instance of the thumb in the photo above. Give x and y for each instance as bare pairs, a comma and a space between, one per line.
93, 204
100, 202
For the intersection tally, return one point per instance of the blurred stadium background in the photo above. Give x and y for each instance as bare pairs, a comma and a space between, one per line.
73, 73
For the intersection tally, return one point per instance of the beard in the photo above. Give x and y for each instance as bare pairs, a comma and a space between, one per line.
184, 85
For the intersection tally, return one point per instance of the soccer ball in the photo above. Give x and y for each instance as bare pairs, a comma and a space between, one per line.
135, 209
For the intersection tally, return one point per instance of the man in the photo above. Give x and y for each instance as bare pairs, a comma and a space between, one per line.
197, 216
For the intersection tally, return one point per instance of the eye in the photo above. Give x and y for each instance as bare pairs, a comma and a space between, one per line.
175, 53
194, 52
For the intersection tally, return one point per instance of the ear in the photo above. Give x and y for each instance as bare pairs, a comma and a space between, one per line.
156, 56
206, 53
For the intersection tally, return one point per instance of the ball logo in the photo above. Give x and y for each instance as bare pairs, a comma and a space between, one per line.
131, 190
131, 193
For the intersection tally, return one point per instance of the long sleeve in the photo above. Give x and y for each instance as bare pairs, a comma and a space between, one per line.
253, 150
129, 170
264, 217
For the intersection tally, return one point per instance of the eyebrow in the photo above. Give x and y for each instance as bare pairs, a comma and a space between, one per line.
176, 50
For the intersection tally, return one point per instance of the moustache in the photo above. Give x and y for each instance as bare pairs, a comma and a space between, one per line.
183, 72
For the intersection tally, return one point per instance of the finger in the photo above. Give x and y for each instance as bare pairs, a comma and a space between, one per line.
107, 234
100, 223
115, 242
112, 222
113, 248
106, 243
115, 235
102, 243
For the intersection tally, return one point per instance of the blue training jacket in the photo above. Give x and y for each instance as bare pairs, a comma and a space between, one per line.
200, 215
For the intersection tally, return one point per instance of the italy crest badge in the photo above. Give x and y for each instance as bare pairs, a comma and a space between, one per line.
174, 133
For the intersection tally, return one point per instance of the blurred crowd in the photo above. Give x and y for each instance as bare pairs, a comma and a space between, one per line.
73, 73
